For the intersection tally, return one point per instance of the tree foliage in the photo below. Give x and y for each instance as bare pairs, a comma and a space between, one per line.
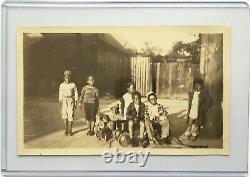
190, 50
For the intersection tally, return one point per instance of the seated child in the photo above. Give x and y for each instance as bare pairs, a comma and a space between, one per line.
156, 120
135, 115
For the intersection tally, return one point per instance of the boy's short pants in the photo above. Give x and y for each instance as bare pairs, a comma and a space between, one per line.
90, 111
68, 109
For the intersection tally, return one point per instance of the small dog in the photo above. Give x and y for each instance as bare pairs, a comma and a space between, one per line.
102, 129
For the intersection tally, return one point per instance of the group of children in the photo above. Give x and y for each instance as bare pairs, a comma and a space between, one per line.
131, 113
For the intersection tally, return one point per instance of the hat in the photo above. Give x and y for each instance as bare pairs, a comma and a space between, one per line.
67, 72
150, 93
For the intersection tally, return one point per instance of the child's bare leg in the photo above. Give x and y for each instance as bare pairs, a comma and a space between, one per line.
164, 128
195, 131
112, 125
89, 125
149, 129
190, 123
130, 128
142, 128
192, 129
92, 125
187, 132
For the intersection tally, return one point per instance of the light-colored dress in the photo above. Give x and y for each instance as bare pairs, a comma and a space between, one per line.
194, 107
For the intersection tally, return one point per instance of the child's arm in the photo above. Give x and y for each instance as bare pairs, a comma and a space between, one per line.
76, 94
97, 100
129, 113
189, 103
80, 100
190, 97
142, 113
122, 105
60, 94
98, 106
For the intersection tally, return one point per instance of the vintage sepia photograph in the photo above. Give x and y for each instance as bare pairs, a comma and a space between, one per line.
161, 89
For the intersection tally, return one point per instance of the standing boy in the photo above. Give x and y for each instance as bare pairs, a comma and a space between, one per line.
135, 116
156, 120
90, 98
199, 103
68, 96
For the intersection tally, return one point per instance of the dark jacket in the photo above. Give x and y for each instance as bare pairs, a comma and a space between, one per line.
205, 102
133, 115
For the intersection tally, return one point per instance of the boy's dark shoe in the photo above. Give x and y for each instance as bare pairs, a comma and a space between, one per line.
91, 133
162, 141
134, 143
168, 140
88, 133
70, 132
165, 140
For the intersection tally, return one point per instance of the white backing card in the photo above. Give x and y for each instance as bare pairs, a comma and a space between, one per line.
234, 15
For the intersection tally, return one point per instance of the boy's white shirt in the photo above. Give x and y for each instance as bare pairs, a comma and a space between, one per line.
153, 111
67, 89
127, 100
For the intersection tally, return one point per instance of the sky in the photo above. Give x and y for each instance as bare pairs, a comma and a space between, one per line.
162, 42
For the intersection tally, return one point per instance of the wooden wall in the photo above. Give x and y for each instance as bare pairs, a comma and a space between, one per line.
113, 70
84, 54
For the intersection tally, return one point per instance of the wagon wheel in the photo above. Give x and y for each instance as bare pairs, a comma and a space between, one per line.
124, 140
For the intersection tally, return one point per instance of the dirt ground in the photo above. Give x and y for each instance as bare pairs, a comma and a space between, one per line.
43, 126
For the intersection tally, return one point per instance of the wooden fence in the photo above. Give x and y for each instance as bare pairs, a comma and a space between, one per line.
169, 80
141, 72
174, 79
